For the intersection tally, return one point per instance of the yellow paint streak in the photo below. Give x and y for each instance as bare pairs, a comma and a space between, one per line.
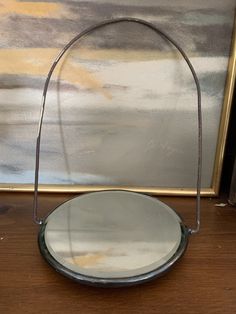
88, 260
79, 75
125, 55
40, 9
36, 62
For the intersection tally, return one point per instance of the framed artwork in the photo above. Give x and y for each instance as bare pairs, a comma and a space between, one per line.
121, 108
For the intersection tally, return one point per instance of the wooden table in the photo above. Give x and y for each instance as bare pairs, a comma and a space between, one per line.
204, 281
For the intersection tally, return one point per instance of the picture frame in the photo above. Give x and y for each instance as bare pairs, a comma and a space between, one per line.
212, 190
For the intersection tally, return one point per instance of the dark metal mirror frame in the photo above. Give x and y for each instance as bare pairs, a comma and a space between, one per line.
113, 282
184, 230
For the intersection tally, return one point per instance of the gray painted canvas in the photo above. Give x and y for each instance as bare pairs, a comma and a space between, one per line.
121, 107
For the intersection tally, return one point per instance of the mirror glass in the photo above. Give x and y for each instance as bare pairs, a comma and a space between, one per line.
112, 234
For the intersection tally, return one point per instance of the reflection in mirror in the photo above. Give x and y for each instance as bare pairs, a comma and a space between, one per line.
112, 234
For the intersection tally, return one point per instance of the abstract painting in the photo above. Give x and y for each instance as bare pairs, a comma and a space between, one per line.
122, 105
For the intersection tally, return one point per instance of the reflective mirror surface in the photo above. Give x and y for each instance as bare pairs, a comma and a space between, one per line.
112, 235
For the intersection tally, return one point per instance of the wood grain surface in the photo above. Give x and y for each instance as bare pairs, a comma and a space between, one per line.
204, 281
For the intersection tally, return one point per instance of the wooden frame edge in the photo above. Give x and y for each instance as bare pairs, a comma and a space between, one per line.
48, 188
225, 115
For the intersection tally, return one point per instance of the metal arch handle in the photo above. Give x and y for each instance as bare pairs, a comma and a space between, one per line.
46, 84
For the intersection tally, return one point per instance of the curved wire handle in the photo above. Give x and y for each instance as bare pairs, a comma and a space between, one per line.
82, 34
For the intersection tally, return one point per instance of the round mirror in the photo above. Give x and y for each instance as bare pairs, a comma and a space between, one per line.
113, 238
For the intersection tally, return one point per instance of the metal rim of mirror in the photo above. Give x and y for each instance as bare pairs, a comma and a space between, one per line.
184, 230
